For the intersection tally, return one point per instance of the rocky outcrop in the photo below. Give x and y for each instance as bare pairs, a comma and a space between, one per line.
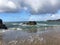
2, 26
31, 23
58, 20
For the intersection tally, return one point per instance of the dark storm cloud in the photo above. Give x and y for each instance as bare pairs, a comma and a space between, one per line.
34, 6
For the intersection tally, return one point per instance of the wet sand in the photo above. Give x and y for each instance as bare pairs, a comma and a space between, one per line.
50, 36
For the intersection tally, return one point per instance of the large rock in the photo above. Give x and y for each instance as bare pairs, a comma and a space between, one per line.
31, 23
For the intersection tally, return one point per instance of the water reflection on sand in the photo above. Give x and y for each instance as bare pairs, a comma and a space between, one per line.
48, 35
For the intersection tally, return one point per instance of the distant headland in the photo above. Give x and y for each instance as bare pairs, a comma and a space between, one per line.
58, 20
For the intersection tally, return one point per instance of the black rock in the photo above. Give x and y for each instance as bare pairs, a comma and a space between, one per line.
31, 23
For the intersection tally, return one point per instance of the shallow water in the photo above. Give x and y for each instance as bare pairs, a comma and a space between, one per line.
31, 35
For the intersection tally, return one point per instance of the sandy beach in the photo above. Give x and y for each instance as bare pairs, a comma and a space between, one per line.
50, 36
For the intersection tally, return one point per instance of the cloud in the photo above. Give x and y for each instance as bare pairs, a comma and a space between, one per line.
51, 17
34, 18
43, 6
44, 18
33, 6
8, 6
55, 16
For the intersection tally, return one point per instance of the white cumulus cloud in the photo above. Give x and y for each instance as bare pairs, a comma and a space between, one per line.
34, 6
43, 6
8, 6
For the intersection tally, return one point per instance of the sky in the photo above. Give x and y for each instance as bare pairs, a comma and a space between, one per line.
7, 17
29, 10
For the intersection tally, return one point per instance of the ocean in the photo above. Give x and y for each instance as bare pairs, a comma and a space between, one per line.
44, 33
21, 26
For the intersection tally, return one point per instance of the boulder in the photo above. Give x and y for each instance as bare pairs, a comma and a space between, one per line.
31, 23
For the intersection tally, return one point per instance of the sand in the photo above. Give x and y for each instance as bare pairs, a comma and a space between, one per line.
49, 37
